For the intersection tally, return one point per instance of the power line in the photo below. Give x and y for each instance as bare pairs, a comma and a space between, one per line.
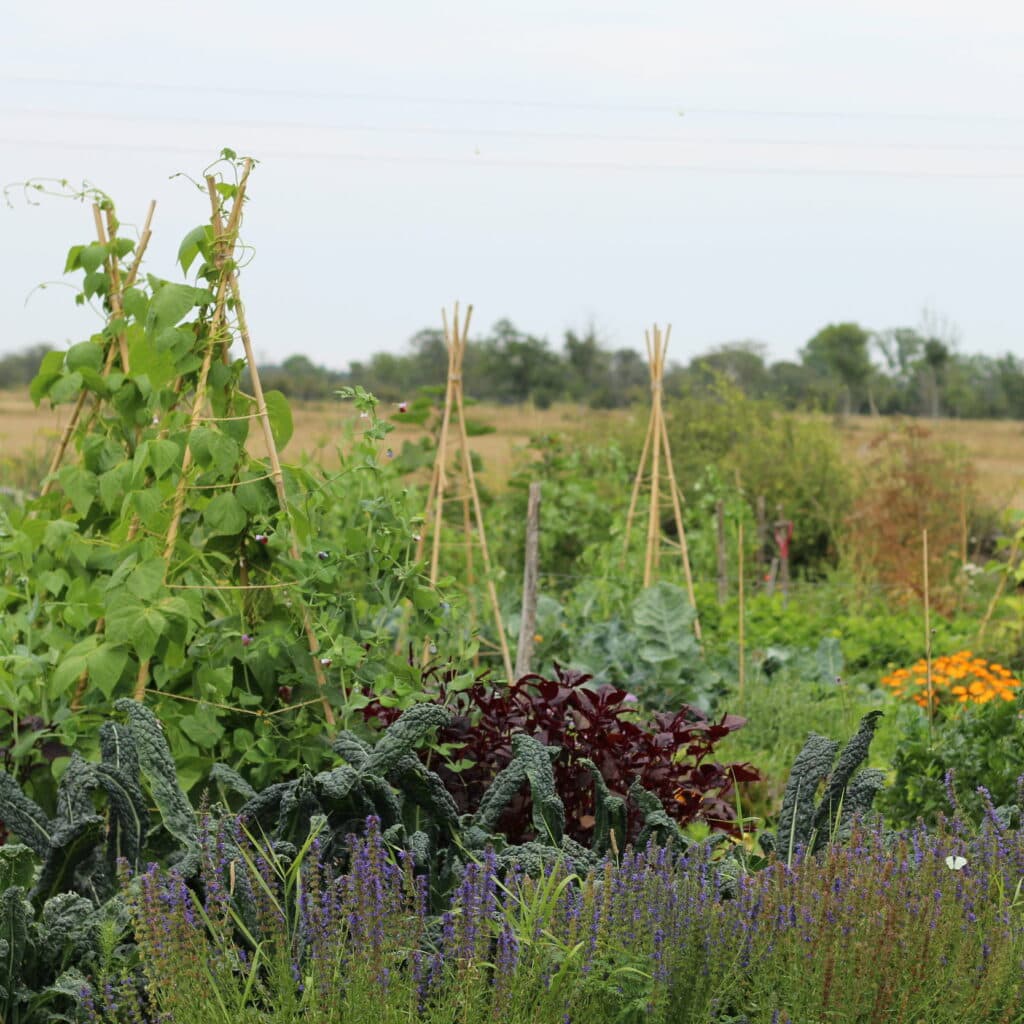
514, 133
674, 109
534, 163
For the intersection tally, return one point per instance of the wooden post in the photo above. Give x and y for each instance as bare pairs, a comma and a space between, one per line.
528, 616
928, 640
761, 559
723, 574
783, 530
741, 612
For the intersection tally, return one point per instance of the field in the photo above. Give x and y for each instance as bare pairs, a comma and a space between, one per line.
996, 447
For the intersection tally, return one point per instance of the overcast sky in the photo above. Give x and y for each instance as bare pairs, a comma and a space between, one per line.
741, 170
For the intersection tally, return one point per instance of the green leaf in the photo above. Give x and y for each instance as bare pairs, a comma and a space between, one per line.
213, 447
146, 504
106, 666
95, 284
70, 846
73, 662
164, 456
91, 257
135, 303
132, 624
25, 818
194, 243
49, 372
663, 617
80, 486
147, 359
73, 262
280, 414
13, 935
425, 598
113, 485
17, 865
85, 355
146, 580
225, 515
202, 727
66, 388
158, 767
169, 305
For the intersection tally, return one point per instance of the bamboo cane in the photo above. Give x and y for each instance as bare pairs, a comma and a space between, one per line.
492, 593
653, 524
277, 475
223, 244
928, 639
678, 511
742, 639
76, 412
635, 495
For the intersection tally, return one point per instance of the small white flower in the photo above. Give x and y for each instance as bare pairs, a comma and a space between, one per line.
955, 863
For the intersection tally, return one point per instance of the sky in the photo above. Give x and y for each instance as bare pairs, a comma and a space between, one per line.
741, 171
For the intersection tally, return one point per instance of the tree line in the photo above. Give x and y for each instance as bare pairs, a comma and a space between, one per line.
844, 368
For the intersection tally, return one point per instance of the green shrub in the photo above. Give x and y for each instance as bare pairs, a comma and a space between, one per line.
981, 744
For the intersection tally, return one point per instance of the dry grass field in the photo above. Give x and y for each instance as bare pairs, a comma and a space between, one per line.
996, 447
28, 435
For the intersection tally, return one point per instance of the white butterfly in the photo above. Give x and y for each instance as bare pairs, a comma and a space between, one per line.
955, 863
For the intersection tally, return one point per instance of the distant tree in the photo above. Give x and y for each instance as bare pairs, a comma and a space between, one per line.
792, 385
588, 365
936, 358
516, 367
740, 362
18, 368
629, 380
840, 352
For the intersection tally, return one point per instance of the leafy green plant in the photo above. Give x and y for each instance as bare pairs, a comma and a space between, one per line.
982, 745
161, 554
60, 909
651, 651
847, 791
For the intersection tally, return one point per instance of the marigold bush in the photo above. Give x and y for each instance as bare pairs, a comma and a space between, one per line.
962, 677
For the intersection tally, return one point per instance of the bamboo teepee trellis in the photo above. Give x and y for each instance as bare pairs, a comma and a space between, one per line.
227, 293
227, 300
656, 446
455, 334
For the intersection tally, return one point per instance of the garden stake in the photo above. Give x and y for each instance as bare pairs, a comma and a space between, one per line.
928, 641
118, 287
263, 415
455, 335
742, 628
528, 615
656, 444
76, 412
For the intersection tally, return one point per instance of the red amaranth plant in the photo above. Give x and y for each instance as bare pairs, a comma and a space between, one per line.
669, 755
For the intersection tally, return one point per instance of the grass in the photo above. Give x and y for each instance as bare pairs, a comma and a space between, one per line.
996, 447
29, 435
